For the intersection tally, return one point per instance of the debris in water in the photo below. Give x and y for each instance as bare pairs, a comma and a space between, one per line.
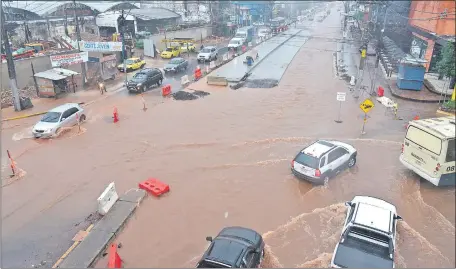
201, 93
182, 95
226, 215
262, 83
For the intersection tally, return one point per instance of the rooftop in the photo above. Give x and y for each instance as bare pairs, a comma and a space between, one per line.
154, 13
374, 217
443, 125
318, 148
56, 74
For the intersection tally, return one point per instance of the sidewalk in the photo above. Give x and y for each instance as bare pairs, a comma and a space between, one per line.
86, 96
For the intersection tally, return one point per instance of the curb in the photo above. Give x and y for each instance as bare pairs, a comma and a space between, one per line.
444, 113
410, 99
88, 251
83, 104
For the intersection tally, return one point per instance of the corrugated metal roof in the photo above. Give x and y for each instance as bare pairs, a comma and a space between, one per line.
43, 8
154, 13
56, 74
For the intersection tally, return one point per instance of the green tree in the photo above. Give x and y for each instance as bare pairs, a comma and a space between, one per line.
446, 64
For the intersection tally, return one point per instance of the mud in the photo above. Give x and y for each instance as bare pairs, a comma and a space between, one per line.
261, 83
227, 161
184, 96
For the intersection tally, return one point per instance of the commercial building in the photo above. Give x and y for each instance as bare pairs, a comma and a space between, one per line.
433, 25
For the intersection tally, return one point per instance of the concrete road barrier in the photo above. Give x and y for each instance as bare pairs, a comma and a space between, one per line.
184, 80
212, 65
107, 199
216, 80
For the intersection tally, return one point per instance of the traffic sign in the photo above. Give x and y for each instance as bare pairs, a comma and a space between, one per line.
363, 53
366, 106
341, 96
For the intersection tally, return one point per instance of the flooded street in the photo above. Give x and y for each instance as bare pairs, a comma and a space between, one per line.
227, 160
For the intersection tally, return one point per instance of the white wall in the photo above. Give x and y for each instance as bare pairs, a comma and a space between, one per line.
194, 33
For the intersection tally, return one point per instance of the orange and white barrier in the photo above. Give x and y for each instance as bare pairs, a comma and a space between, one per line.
166, 90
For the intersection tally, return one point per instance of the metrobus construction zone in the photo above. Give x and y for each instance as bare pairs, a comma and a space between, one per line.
115, 210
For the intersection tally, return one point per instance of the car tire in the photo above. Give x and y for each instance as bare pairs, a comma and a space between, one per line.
82, 118
352, 161
215, 58
159, 82
326, 180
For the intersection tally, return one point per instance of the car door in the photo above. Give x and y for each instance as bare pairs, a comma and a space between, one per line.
64, 120
342, 157
150, 78
72, 116
334, 160
213, 52
249, 259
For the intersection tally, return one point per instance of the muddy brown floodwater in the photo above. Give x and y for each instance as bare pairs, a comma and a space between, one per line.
227, 159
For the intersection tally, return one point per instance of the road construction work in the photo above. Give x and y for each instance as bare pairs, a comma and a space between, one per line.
226, 158
236, 69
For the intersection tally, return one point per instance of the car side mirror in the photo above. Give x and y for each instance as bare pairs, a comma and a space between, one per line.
350, 204
397, 217
62, 119
209, 238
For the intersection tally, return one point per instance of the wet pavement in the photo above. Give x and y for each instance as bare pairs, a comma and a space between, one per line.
236, 69
226, 158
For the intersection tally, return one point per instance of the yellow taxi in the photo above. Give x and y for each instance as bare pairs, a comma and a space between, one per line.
170, 52
191, 47
132, 64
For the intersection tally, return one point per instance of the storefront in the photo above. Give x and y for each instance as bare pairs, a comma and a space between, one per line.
418, 48
56, 81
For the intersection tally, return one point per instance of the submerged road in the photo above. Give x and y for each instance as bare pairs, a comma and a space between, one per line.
226, 158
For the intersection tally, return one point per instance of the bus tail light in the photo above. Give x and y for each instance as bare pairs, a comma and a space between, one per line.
317, 173
402, 148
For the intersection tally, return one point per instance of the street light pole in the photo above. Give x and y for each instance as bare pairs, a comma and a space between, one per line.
78, 34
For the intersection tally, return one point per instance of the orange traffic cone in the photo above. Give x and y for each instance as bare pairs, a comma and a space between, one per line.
114, 260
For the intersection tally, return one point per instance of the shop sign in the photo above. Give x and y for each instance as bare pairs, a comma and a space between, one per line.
69, 59
100, 46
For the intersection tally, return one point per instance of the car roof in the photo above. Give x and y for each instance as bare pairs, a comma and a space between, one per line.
374, 217
225, 251
177, 58
210, 47
133, 58
147, 70
318, 148
64, 107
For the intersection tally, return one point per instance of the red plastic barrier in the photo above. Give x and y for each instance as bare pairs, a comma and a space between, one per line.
114, 260
115, 115
154, 186
166, 90
244, 48
380, 91
197, 73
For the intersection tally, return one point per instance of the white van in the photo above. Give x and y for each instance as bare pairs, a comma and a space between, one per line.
429, 150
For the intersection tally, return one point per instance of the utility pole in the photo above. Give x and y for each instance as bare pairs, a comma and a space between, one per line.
26, 29
121, 25
78, 35
10, 64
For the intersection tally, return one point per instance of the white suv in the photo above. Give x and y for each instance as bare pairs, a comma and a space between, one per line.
322, 160
208, 53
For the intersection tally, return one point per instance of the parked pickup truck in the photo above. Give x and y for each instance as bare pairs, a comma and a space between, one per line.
368, 236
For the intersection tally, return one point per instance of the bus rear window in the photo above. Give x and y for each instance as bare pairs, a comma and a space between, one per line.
424, 139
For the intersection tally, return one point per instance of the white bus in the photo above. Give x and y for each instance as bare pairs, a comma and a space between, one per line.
429, 150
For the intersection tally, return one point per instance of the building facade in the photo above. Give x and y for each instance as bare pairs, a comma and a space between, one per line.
433, 25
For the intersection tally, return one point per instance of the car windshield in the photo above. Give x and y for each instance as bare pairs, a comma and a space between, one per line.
209, 264
51, 117
307, 160
206, 50
140, 76
175, 61
129, 61
169, 49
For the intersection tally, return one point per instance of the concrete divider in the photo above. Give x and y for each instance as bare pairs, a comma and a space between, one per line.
215, 80
101, 235
184, 80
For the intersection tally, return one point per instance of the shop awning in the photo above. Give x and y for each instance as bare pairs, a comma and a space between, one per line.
56, 74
